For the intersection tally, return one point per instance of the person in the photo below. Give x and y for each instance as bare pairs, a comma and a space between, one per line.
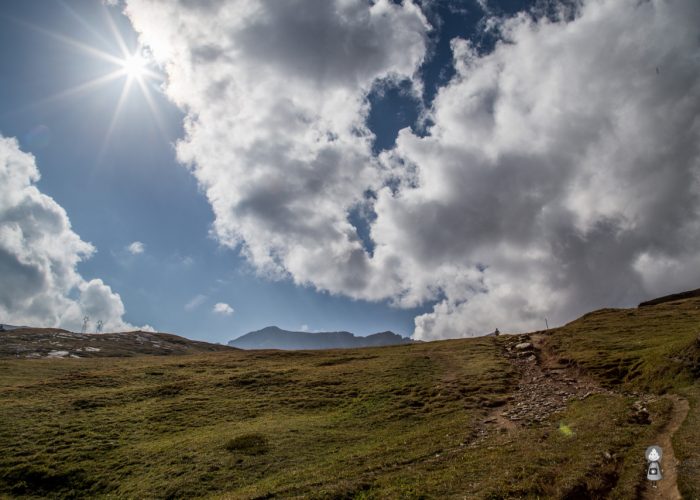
496, 333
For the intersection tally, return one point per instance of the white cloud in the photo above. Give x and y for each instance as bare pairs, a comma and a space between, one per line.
39, 253
223, 309
304, 328
196, 301
561, 173
136, 248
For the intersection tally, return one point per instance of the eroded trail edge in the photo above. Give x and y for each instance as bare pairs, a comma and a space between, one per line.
667, 488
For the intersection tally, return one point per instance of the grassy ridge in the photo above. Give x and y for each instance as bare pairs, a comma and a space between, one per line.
654, 349
393, 422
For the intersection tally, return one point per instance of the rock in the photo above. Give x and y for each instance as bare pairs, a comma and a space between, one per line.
640, 416
523, 345
607, 455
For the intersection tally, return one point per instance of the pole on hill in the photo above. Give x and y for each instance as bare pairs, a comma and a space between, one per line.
545, 323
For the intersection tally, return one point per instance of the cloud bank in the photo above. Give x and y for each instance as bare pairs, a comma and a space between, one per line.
39, 254
561, 172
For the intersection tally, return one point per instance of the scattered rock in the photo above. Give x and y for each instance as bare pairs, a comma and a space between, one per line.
57, 354
640, 414
542, 390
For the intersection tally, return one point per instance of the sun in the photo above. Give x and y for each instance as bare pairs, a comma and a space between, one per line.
135, 66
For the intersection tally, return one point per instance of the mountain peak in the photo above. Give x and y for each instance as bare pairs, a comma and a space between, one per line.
271, 328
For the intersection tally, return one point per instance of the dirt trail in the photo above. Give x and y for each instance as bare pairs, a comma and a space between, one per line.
667, 488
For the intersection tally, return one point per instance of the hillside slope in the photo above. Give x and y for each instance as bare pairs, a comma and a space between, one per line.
56, 343
564, 413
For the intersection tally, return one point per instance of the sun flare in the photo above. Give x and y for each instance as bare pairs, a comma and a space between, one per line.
135, 66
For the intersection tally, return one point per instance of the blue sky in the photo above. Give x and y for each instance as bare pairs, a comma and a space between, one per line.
129, 187
500, 202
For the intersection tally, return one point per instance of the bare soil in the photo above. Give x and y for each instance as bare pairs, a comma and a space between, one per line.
667, 488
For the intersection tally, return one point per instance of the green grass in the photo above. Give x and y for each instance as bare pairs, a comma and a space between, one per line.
394, 422
652, 349
686, 442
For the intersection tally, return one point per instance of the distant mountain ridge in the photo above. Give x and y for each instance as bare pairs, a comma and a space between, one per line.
6, 328
273, 337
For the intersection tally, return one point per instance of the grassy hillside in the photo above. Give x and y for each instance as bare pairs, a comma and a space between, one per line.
568, 417
36, 343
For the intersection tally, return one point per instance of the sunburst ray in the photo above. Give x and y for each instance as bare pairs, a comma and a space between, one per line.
133, 65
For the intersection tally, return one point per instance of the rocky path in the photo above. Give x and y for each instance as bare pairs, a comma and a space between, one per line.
545, 387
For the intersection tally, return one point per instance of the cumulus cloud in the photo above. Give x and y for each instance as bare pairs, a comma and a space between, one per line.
275, 132
136, 248
39, 253
223, 309
561, 172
